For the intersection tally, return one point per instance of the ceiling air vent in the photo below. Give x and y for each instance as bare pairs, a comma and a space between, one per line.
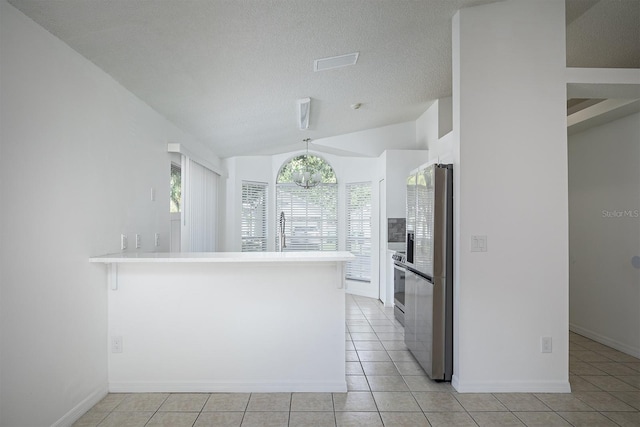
335, 62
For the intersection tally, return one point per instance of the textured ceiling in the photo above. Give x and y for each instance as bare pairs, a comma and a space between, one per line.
230, 72
603, 34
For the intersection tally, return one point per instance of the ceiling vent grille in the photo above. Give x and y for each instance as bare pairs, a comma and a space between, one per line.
335, 62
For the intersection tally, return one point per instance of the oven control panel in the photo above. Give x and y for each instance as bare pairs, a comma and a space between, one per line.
399, 258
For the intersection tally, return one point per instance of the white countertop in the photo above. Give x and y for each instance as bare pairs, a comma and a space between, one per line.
245, 257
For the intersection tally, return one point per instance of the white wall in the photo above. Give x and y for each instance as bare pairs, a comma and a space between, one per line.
604, 233
511, 186
372, 142
398, 164
433, 130
78, 158
427, 127
445, 116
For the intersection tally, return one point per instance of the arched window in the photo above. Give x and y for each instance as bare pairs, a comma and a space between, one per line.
307, 218
314, 163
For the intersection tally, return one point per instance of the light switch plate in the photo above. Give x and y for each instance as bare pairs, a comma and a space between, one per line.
116, 344
479, 244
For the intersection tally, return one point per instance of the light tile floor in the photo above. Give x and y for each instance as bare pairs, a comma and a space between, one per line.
388, 388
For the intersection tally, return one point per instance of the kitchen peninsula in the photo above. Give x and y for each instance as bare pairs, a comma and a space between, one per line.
226, 321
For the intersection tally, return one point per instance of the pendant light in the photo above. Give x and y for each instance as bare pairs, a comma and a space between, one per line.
305, 176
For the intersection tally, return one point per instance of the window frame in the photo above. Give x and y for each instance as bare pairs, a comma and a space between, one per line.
250, 225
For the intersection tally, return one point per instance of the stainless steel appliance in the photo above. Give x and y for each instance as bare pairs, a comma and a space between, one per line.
429, 277
399, 273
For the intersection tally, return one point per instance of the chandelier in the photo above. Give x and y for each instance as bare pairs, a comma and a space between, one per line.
305, 176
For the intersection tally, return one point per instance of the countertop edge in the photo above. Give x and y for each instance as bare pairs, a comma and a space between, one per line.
223, 257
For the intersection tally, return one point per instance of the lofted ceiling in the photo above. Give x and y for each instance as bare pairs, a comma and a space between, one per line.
602, 34
230, 72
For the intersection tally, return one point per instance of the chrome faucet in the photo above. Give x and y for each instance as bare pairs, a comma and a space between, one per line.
283, 221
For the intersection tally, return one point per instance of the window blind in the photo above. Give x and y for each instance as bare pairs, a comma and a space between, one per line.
358, 240
254, 216
311, 217
199, 200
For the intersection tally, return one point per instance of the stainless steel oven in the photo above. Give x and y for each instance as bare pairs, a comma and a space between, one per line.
399, 275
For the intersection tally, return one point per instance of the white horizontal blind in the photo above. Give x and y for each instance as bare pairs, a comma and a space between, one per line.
359, 230
311, 217
199, 200
425, 181
254, 216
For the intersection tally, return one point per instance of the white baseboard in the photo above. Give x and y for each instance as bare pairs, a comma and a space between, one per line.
510, 386
224, 387
628, 349
455, 381
79, 410
363, 289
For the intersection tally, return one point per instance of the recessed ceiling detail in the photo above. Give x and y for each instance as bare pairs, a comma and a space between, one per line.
340, 61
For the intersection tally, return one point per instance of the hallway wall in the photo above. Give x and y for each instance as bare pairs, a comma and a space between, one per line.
604, 234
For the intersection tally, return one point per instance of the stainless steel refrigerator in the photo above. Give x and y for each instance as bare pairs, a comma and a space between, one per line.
429, 277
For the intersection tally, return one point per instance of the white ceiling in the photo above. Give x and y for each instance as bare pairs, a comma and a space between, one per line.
230, 72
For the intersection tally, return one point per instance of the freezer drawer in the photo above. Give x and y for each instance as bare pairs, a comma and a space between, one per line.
427, 334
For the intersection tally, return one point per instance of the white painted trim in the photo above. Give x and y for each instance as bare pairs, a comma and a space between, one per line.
81, 408
455, 383
603, 75
227, 387
176, 147
511, 386
630, 350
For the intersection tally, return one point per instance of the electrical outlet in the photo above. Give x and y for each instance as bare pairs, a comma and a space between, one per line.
546, 345
157, 240
123, 242
116, 344
138, 241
